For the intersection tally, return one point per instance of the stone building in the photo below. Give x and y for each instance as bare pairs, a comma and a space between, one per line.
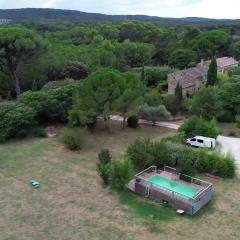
192, 79
5, 21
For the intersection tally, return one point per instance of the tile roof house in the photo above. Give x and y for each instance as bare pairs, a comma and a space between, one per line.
192, 79
223, 63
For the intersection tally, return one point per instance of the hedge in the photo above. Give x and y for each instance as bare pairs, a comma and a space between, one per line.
15, 120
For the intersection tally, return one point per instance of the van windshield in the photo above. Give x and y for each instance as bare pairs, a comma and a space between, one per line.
193, 139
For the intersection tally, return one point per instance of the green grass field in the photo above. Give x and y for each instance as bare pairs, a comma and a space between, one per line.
72, 203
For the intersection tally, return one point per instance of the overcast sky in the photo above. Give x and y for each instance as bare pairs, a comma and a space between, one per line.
163, 8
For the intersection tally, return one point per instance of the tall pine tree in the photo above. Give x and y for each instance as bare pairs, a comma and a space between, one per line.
212, 73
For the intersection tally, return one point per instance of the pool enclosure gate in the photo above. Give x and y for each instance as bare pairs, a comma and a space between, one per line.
140, 184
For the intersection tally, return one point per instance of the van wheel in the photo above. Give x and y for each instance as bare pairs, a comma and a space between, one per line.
188, 144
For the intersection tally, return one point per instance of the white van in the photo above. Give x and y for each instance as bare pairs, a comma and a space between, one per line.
202, 142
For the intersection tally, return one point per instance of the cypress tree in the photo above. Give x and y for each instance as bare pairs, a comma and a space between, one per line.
212, 73
179, 92
143, 73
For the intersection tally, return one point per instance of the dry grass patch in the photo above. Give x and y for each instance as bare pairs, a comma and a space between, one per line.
72, 203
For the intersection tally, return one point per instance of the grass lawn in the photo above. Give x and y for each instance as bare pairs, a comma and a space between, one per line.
72, 203
227, 128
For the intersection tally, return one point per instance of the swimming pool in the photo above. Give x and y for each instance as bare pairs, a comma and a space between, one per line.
173, 186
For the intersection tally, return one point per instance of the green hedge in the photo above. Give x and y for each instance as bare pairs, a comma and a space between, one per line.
144, 153
52, 104
16, 119
216, 163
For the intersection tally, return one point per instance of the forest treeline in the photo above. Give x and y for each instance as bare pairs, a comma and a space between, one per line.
59, 48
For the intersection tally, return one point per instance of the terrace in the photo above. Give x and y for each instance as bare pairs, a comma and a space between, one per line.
167, 185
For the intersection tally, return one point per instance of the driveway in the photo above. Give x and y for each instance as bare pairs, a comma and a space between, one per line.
231, 145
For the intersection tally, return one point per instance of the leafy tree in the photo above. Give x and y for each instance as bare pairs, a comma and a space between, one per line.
153, 113
75, 70
212, 73
190, 34
156, 75
153, 98
182, 58
134, 54
235, 50
229, 94
18, 45
206, 103
131, 96
195, 126
208, 43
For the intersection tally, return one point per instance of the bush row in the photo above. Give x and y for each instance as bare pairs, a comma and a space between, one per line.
51, 104
33, 107
144, 153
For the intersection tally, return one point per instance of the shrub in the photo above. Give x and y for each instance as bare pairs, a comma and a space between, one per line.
59, 83
74, 138
104, 164
40, 132
238, 121
214, 162
132, 122
15, 120
205, 161
105, 156
140, 153
38, 101
180, 137
199, 126
120, 174
154, 113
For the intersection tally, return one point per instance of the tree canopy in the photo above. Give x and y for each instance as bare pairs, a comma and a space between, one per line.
18, 45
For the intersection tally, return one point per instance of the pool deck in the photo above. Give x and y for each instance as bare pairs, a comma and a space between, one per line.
188, 194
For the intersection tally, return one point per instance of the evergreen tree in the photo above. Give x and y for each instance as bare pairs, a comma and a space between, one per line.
143, 74
18, 45
99, 96
212, 73
131, 96
179, 92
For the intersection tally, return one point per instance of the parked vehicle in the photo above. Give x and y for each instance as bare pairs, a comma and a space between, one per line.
202, 142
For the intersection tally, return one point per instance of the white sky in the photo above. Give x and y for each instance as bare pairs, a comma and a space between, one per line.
162, 8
